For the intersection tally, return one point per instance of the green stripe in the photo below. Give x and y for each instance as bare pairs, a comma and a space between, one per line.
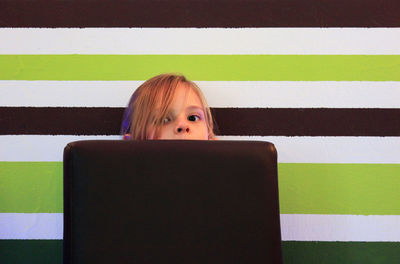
360, 189
304, 188
202, 67
31, 187
296, 252
31, 251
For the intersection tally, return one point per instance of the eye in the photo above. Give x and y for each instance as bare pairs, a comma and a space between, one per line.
193, 118
166, 120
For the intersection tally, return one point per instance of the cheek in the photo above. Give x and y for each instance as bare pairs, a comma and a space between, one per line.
165, 132
151, 135
203, 130
151, 132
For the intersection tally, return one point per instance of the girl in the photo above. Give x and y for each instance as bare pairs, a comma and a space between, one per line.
168, 106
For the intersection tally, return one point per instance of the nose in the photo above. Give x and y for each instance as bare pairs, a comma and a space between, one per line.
182, 128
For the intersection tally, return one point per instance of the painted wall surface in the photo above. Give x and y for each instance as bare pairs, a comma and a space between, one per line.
327, 97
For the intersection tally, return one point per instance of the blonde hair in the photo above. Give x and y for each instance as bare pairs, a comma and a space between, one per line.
159, 92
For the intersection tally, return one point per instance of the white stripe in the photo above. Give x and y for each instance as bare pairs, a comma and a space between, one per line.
38, 147
200, 41
31, 226
332, 149
283, 94
290, 149
303, 227
294, 227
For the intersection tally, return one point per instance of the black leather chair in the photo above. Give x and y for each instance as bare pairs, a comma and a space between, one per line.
167, 201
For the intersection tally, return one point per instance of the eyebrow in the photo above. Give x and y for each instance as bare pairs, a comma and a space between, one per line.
190, 108
195, 107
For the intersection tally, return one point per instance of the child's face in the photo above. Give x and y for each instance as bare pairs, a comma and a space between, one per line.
186, 117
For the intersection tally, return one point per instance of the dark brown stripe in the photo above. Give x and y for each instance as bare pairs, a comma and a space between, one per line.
308, 121
231, 121
205, 13
60, 120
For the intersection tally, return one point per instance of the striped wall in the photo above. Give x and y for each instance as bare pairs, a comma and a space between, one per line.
324, 88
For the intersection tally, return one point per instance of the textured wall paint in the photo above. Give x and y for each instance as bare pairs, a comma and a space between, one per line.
309, 190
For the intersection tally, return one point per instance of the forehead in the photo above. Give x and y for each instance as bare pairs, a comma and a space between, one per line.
186, 95
185, 98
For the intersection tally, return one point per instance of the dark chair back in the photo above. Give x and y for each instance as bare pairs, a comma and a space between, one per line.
167, 201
